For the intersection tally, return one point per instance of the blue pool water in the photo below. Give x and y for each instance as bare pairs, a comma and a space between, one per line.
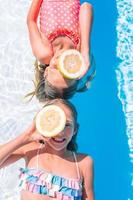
103, 132
105, 111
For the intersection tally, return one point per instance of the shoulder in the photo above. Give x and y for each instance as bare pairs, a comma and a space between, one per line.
85, 162
84, 158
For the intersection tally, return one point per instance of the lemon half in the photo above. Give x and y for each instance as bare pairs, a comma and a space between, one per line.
71, 64
50, 121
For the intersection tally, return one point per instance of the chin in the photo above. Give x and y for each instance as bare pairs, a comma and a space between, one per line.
57, 148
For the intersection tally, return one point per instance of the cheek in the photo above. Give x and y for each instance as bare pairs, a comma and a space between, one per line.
56, 78
54, 72
69, 132
52, 75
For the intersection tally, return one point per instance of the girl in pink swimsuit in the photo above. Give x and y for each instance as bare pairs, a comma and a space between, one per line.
64, 24
54, 170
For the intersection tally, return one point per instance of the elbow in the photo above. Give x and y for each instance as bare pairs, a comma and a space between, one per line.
30, 19
44, 58
40, 57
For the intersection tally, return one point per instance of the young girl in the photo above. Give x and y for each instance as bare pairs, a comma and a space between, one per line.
53, 168
64, 24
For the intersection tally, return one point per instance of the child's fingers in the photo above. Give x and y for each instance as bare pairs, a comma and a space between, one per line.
84, 72
32, 128
38, 137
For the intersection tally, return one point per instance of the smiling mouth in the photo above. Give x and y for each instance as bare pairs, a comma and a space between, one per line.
58, 140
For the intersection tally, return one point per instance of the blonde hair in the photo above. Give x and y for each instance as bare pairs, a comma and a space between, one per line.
45, 90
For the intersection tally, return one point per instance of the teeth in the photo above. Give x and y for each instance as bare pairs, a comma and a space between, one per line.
59, 139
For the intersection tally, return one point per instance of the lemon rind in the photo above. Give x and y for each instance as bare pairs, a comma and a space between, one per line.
61, 65
59, 128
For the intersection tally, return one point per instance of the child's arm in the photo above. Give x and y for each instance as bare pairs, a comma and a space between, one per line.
41, 47
15, 149
85, 20
88, 179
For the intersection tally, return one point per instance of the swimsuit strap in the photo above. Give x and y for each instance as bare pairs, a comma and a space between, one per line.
77, 166
74, 155
37, 156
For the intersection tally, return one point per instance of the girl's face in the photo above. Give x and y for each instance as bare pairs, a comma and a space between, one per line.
61, 141
56, 79
52, 73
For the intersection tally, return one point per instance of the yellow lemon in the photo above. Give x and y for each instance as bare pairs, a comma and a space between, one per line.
71, 64
50, 121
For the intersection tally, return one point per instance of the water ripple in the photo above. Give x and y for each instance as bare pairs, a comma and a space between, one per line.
16, 75
124, 70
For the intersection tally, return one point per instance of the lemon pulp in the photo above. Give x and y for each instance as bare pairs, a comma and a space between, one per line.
50, 121
71, 64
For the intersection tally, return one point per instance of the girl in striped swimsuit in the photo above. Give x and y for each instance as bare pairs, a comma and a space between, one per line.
54, 170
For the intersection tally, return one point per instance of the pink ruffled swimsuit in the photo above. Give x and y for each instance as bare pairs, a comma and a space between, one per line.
60, 18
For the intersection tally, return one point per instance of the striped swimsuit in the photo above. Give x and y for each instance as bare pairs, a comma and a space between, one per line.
40, 181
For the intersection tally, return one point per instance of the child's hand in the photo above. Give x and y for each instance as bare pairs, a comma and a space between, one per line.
32, 135
85, 55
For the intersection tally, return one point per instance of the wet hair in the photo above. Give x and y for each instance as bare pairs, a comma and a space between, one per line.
72, 146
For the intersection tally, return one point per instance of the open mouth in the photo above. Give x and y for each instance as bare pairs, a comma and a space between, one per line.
58, 140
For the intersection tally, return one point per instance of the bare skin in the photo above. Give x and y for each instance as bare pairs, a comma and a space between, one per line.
44, 51
26, 146
54, 76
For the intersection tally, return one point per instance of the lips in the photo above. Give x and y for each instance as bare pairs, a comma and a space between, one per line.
58, 140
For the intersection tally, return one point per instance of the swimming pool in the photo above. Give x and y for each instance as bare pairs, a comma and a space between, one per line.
105, 111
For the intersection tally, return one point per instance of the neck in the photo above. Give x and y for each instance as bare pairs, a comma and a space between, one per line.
61, 153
